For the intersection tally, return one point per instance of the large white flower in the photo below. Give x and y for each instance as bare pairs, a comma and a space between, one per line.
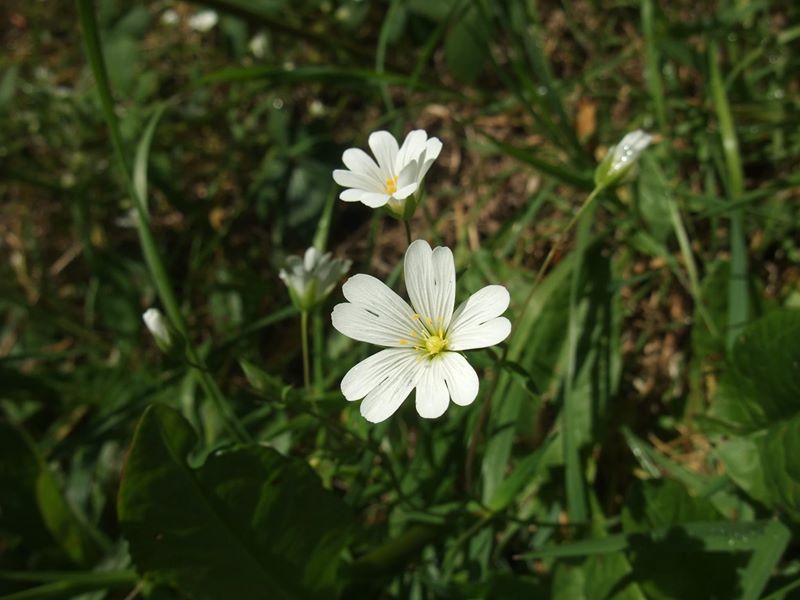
424, 342
397, 173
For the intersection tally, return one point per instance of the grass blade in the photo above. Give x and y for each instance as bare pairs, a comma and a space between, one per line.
738, 292
767, 553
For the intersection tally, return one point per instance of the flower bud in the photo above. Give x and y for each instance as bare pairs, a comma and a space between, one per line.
160, 329
311, 278
621, 159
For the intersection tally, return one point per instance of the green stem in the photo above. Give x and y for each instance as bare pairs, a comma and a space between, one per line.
304, 341
407, 226
70, 585
146, 239
691, 267
486, 407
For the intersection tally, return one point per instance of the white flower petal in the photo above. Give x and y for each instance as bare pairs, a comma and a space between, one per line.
358, 181
432, 394
311, 258
359, 161
412, 147
432, 150
484, 335
408, 174
384, 400
375, 314
405, 191
461, 379
371, 372
352, 195
385, 149
475, 323
431, 280
375, 199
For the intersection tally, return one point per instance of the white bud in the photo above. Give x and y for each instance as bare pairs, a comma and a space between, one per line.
621, 158
311, 278
203, 21
158, 327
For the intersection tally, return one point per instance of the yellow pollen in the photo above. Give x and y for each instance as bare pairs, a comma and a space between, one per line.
403, 342
435, 344
391, 185
415, 317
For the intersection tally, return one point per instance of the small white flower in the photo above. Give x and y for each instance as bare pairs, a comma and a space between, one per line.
158, 328
397, 174
203, 21
311, 278
620, 159
424, 342
170, 17
258, 44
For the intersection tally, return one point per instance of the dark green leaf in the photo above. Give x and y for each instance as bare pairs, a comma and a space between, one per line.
248, 523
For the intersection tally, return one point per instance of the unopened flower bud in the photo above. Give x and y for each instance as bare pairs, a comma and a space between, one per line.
159, 328
621, 159
311, 278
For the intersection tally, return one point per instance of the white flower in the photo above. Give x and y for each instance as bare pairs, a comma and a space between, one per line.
203, 21
170, 17
311, 278
258, 44
158, 327
424, 342
620, 159
397, 173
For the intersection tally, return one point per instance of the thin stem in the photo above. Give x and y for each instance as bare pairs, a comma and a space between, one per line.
486, 407
146, 239
407, 226
304, 342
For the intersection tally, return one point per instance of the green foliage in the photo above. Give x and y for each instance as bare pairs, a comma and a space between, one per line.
238, 513
635, 437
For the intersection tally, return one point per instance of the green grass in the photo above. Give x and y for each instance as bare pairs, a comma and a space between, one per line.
633, 438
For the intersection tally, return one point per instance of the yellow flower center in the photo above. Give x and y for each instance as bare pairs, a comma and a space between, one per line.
428, 340
391, 185
435, 344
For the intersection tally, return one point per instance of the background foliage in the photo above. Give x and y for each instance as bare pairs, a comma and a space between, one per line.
638, 436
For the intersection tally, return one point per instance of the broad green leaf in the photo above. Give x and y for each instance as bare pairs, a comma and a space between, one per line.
659, 504
760, 392
610, 576
247, 523
33, 505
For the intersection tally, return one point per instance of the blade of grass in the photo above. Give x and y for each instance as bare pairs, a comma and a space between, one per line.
652, 71
564, 174
338, 76
380, 52
738, 292
714, 536
766, 555
577, 501
155, 265
69, 585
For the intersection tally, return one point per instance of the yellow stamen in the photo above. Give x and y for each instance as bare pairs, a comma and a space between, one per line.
403, 342
391, 185
435, 344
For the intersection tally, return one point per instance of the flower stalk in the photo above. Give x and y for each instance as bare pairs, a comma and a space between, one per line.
146, 239
304, 342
